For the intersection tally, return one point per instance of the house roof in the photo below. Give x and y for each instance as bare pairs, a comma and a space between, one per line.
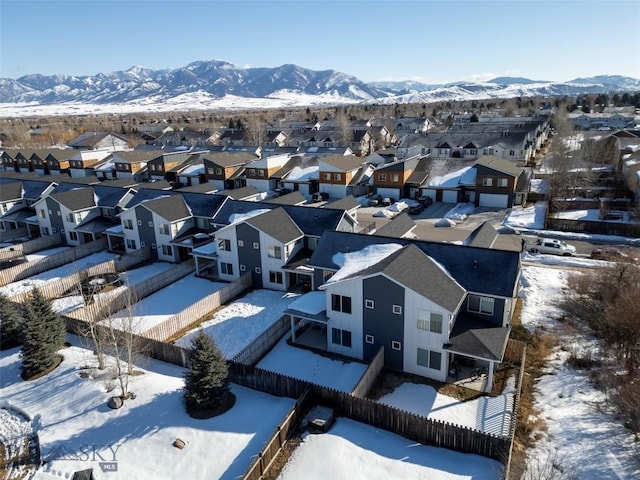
399, 226
499, 164
240, 193
490, 271
136, 156
90, 139
170, 207
412, 268
203, 205
482, 236
348, 202
10, 191
277, 224
476, 337
198, 188
293, 198
79, 198
345, 163
229, 159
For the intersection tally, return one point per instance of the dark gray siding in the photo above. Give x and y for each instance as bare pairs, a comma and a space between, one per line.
498, 311
145, 232
381, 322
247, 255
56, 218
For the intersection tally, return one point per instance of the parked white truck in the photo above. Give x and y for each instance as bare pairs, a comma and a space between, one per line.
551, 246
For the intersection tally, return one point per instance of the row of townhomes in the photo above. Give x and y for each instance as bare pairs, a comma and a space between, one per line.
427, 303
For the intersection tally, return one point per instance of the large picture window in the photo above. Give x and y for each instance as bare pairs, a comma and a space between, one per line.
340, 303
341, 337
429, 359
478, 304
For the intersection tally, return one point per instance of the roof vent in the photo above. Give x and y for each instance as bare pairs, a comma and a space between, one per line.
475, 264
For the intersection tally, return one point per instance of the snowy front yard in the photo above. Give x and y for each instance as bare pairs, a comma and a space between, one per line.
76, 428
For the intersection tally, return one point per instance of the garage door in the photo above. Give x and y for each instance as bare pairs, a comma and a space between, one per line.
450, 196
493, 200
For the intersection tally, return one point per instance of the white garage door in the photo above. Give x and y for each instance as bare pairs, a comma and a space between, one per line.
450, 196
493, 200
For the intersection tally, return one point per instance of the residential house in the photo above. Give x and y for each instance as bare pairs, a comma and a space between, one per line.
603, 121
160, 165
190, 172
225, 170
390, 179
343, 175
259, 173
52, 161
499, 183
17, 198
133, 165
84, 163
631, 174
186, 138
100, 141
8, 158
299, 174
427, 303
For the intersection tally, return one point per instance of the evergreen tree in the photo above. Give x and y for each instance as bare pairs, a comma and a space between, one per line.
10, 324
207, 381
44, 334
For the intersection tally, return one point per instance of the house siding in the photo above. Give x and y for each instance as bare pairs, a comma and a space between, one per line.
498, 316
380, 322
247, 255
350, 322
146, 233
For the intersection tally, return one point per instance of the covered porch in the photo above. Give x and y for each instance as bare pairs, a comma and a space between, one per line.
115, 239
308, 316
187, 242
206, 259
476, 348
299, 276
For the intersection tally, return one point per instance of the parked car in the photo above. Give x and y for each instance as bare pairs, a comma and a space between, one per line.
611, 254
425, 201
320, 197
551, 246
416, 208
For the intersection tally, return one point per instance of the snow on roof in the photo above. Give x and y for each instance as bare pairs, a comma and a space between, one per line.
241, 217
540, 185
193, 170
353, 262
465, 176
298, 174
116, 229
208, 249
312, 303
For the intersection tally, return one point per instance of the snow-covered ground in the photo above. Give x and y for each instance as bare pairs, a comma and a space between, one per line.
354, 451
132, 277
166, 302
488, 414
34, 257
305, 365
77, 430
240, 322
55, 274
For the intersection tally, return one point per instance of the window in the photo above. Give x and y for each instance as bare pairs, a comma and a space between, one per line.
396, 345
128, 224
337, 176
70, 218
431, 322
143, 244
275, 277
479, 304
224, 245
429, 359
340, 303
243, 268
257, 270
131, 244
395, 177
167, 250
382, 177
218, 171
368, 303
226, 268
503, 182
45, 231
256, 245
153, 245
369, 339
326, 176
164, 229
73, 236
397, 309
512, 153
42, 213
487, 182
139, 223
210, 170
241, 243
261, 172
274, 252
150, 224
312, 243
341, 337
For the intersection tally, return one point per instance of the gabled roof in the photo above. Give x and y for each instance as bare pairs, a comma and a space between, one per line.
10, 191
198, 188
348, 202
499, 165
76, 199
477, 337
293, 198
490, 271
412, 268
277, 224
229, 159
144, 194
482, 236
90, 139
171, 207
399, 226
203, 205
346, 163
136, 156
240, 193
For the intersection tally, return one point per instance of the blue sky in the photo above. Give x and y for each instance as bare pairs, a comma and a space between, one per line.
428, 41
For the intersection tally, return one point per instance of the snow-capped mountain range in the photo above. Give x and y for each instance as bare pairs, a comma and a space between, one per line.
218, 84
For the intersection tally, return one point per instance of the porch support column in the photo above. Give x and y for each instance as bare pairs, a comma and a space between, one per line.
197, 265
109, 242
487, 387
293, 329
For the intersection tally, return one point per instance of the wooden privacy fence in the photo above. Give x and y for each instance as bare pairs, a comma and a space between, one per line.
57, 288
258, 348
25, 270
604, 227
370, 374
134, 293
30, 246
181, 320
12, 234
274, 444
521, 350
